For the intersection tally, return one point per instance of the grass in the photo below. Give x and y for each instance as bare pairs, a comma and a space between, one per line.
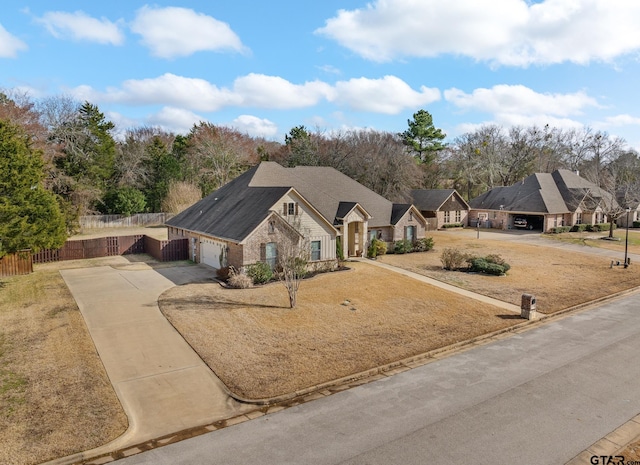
558, 278
595, 239
345, 322
55, 397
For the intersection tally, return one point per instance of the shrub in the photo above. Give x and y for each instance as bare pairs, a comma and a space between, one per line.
579, 227
453, 225
402, 246
492, 264
600, 227
454, 259
223, 273
423, 245
481, 265
339, 250
239, 280
259, 272
636, 224
376, 248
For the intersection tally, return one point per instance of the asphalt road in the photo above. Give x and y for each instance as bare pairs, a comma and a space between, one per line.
539, 397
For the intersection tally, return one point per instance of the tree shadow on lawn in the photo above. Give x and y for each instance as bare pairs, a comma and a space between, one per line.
211, 303
511, 316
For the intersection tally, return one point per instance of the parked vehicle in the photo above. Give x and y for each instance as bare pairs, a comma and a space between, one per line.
522, 223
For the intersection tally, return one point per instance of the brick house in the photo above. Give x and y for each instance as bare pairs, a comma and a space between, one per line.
543, 201
250, 218
441, 207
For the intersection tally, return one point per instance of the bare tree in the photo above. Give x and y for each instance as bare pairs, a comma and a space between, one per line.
294, 252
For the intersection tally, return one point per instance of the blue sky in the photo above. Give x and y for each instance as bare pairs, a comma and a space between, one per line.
265, 67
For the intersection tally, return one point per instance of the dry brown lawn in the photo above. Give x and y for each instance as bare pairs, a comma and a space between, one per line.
157, 232
55, 396
345, 323
558, 278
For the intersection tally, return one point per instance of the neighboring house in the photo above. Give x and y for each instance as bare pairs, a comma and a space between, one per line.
441, 206
542, 201
251, 218
633, 215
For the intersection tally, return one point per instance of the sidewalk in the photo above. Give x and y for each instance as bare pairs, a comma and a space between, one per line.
162, 384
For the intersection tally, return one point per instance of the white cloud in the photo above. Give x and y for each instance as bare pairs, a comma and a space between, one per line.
503, 32
80, 26
10, 45
389, 95
519, 100
175, 120
263, 91
174, 32
256, 127
622, 120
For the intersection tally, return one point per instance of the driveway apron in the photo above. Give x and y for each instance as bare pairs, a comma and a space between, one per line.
162, 384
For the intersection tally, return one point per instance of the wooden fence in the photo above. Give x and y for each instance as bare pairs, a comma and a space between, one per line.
116, 245
120, 221
16, 264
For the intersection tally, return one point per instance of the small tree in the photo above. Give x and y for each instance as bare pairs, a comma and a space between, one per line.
294, 252
293, 260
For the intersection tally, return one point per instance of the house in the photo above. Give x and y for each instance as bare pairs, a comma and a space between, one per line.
542, 201
254, 216
441, 207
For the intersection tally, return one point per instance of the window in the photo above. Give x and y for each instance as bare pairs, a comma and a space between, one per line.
289, 208
271, 254
315, 250
458, 216
272, 227
579, 218
410, 233
410, 216
372, 234
447, 217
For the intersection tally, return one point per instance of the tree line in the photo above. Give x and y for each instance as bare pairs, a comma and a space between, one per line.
79, 164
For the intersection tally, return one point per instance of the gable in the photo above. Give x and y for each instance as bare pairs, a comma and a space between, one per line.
325, 188
433, 200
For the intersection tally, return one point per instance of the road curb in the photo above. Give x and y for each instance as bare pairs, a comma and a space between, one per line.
610, 444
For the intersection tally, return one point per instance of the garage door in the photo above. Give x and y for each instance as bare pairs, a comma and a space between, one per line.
211, 252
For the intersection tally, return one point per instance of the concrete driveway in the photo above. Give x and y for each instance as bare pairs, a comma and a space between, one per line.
162, 384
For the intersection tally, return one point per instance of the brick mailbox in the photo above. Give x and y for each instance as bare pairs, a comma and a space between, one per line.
528, 307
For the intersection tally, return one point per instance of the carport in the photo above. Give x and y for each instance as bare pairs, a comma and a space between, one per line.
533, 222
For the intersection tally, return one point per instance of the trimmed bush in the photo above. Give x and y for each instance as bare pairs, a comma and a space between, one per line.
559, 230
579, 227
423, 245
259, 272
492, 264
453, 225
454, 259
376, 248
402, 246
599, 227
636, 224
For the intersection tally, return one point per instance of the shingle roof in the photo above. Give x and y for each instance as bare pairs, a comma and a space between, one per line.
398, 211
232, 212
325, 188
236, 209
562, 191
430, 199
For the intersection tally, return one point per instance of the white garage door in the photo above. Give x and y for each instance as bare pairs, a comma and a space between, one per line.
211, 252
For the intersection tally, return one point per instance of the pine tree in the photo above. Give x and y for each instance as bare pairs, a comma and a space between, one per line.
30, 217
